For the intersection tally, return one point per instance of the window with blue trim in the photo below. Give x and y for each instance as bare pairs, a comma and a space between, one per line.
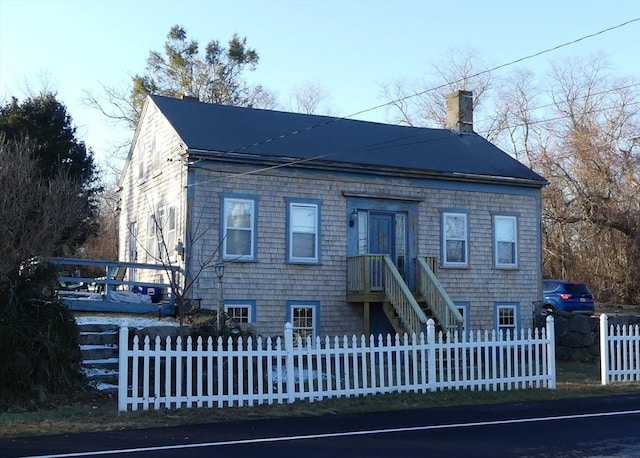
507, 319
239, 228
303, 231
455, 237
241, 311
304, 318
463, 308
505, 241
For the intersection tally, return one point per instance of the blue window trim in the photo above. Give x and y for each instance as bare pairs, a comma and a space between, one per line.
318, 259
236, 302
254, 235
466, 305
495, 242
443, 247
291, 304
498, 305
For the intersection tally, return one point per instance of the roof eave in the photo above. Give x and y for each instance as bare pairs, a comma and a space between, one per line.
316, 164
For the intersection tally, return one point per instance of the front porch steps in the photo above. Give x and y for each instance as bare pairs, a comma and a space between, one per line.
99, 350
395, 320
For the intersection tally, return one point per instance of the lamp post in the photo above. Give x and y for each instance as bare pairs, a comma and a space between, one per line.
220, 273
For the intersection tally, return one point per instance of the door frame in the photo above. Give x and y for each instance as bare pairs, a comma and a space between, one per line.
410, 207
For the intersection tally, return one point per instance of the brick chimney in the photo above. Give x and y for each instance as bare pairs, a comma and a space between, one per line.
460, 111
189, 96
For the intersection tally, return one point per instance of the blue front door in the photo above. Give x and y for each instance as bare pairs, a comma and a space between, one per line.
381, 234
381, 241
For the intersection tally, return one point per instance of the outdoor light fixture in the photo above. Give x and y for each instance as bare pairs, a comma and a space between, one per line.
354, 217
220, 270
179, 248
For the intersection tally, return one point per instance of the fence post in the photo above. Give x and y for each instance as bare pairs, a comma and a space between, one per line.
431, 355
551, 351
123, 367
288, 347
604, 350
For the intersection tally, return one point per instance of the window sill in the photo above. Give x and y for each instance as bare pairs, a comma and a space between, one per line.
302, 263
506, 267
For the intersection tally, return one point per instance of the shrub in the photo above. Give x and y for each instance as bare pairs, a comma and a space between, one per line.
39, 351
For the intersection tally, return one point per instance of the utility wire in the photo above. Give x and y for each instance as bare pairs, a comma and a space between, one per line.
401, 99
607, 91
416, 94
556, 118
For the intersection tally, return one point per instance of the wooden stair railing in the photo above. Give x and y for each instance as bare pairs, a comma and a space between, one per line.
377, 273
438, 301
412, 316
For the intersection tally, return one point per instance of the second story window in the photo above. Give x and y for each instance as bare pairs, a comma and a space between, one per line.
303, 232
505, 230
455, 236
238, 228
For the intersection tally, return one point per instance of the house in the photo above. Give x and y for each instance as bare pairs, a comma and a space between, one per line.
338, 226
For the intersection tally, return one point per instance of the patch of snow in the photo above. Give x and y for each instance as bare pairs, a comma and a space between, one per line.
101, 361
93, 372
130, 321
298, 375
102, 333
105, 386
97, 347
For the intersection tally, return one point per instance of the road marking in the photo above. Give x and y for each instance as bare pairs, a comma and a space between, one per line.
338, 434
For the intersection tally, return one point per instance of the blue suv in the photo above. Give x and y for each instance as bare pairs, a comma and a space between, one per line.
567, 296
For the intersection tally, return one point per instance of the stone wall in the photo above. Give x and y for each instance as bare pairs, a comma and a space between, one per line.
578, 336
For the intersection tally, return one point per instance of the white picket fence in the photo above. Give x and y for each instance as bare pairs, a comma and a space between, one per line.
168, 374
619, 352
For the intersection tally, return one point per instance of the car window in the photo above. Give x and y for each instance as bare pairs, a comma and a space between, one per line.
576, 288
549, 286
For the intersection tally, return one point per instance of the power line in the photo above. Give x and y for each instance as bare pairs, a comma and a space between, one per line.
556, 118
513, 62
607, 91
416, 94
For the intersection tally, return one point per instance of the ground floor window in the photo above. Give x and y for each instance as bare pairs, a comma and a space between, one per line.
507, 319
240, 311
463, 308
304, 318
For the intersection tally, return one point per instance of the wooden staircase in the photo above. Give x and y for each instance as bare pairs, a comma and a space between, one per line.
374, 278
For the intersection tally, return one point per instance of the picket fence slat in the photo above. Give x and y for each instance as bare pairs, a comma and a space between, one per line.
619, 352
247, 372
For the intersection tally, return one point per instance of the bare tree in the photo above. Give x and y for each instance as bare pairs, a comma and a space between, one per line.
420, 102
191, 258
104, 244
37, 214
310, 98
580, 129
592, 160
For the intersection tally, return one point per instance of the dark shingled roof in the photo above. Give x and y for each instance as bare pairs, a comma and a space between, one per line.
275, 134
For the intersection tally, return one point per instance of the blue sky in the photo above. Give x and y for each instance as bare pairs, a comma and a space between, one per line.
348, 46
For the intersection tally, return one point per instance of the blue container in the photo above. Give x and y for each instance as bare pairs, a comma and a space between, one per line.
150, 291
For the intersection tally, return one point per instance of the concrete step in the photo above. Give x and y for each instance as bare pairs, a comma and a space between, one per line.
98, 327
98, 338
99, 349
93, 352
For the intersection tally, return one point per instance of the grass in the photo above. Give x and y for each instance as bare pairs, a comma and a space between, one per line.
97, 412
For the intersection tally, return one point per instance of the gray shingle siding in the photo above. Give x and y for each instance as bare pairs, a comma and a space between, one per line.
271, 281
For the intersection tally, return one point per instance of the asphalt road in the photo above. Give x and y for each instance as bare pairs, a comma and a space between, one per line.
590, 427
